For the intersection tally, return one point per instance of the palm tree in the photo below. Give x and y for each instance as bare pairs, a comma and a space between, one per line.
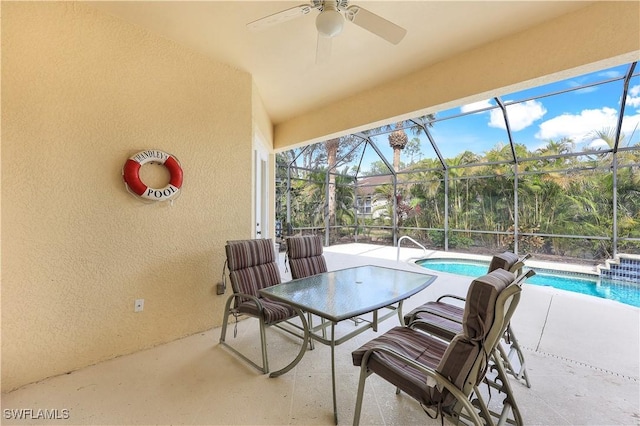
398, 139
556, 162
338, 151
424, 188
607, 134
458, 174
332, 146
563, 146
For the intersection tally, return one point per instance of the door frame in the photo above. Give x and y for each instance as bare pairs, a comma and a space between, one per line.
261, 227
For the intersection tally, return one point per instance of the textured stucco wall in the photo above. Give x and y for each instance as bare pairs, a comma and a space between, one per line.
81, 92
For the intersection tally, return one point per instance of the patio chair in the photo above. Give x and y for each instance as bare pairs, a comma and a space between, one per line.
444, 376
444, 318
304, 254
305, 257
252, 266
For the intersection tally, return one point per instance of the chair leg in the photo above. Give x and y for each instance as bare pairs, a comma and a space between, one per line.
480, 403
263, 343
360, 396
225, 319
507, 358
502, 384
263, 339
510, 401
515, 347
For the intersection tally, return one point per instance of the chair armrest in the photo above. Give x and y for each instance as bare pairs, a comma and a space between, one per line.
516, 266
432, 329
519, 263
418, 321
526, 275
451, 296
254, 299
437, 314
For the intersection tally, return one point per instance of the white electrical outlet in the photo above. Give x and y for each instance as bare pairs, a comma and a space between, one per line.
139, 305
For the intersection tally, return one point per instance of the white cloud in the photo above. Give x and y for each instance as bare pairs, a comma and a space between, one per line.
633, 97
631, 127
584, 90
475, 106
577, 126
521, 115
610, 74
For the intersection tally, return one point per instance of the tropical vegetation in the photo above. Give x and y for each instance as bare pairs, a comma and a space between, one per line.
553, 201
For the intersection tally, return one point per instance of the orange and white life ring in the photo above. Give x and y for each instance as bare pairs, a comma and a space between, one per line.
131, 175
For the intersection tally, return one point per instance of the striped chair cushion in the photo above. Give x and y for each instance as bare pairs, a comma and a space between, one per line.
305, 256
454, 360
252, 266
304, 246
247, 253
503, 261
480, 305
421, 347
477, 320
457, 362
250, 280
445, 310
306, 267
272, 311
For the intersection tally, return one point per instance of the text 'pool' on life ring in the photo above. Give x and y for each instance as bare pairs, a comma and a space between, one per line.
131, 175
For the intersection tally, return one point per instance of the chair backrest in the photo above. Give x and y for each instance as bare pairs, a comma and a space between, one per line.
508, 261
305, 256
490, 303
252, 265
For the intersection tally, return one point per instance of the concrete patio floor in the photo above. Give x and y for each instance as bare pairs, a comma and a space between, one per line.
582, 356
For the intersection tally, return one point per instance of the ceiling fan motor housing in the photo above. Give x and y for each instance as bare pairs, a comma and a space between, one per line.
330, 21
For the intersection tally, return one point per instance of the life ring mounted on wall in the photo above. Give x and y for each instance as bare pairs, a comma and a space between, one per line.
131, 175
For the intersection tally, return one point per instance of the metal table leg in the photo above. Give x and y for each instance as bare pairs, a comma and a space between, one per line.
333, 371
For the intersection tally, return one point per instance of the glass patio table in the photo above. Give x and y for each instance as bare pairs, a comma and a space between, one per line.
343, 294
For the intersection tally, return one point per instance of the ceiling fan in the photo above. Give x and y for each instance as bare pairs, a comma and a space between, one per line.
330, 22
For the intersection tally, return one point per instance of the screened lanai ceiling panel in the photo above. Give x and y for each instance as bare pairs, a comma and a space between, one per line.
472, 133
416, 149
304, 159
568, 117
576, 115
382, 142
372, 162
630, 135
349, 156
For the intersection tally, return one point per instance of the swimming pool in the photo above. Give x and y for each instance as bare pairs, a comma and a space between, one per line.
592, 285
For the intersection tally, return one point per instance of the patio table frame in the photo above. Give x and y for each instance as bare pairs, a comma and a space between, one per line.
344, 294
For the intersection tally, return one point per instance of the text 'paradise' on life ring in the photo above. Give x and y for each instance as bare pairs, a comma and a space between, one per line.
131, 175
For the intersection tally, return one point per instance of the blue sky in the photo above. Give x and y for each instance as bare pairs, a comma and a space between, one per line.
575, 114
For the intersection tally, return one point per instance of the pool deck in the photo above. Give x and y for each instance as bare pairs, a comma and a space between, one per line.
583, 352
582, 356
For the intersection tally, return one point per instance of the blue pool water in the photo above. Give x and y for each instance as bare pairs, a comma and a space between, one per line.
624, 292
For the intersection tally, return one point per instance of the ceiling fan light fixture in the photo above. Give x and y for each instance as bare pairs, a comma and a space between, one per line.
330, 22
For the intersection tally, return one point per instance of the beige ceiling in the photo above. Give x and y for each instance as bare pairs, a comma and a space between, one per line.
281, 59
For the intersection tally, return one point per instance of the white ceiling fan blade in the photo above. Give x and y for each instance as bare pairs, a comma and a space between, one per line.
279, 17
323, 49
375, 24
